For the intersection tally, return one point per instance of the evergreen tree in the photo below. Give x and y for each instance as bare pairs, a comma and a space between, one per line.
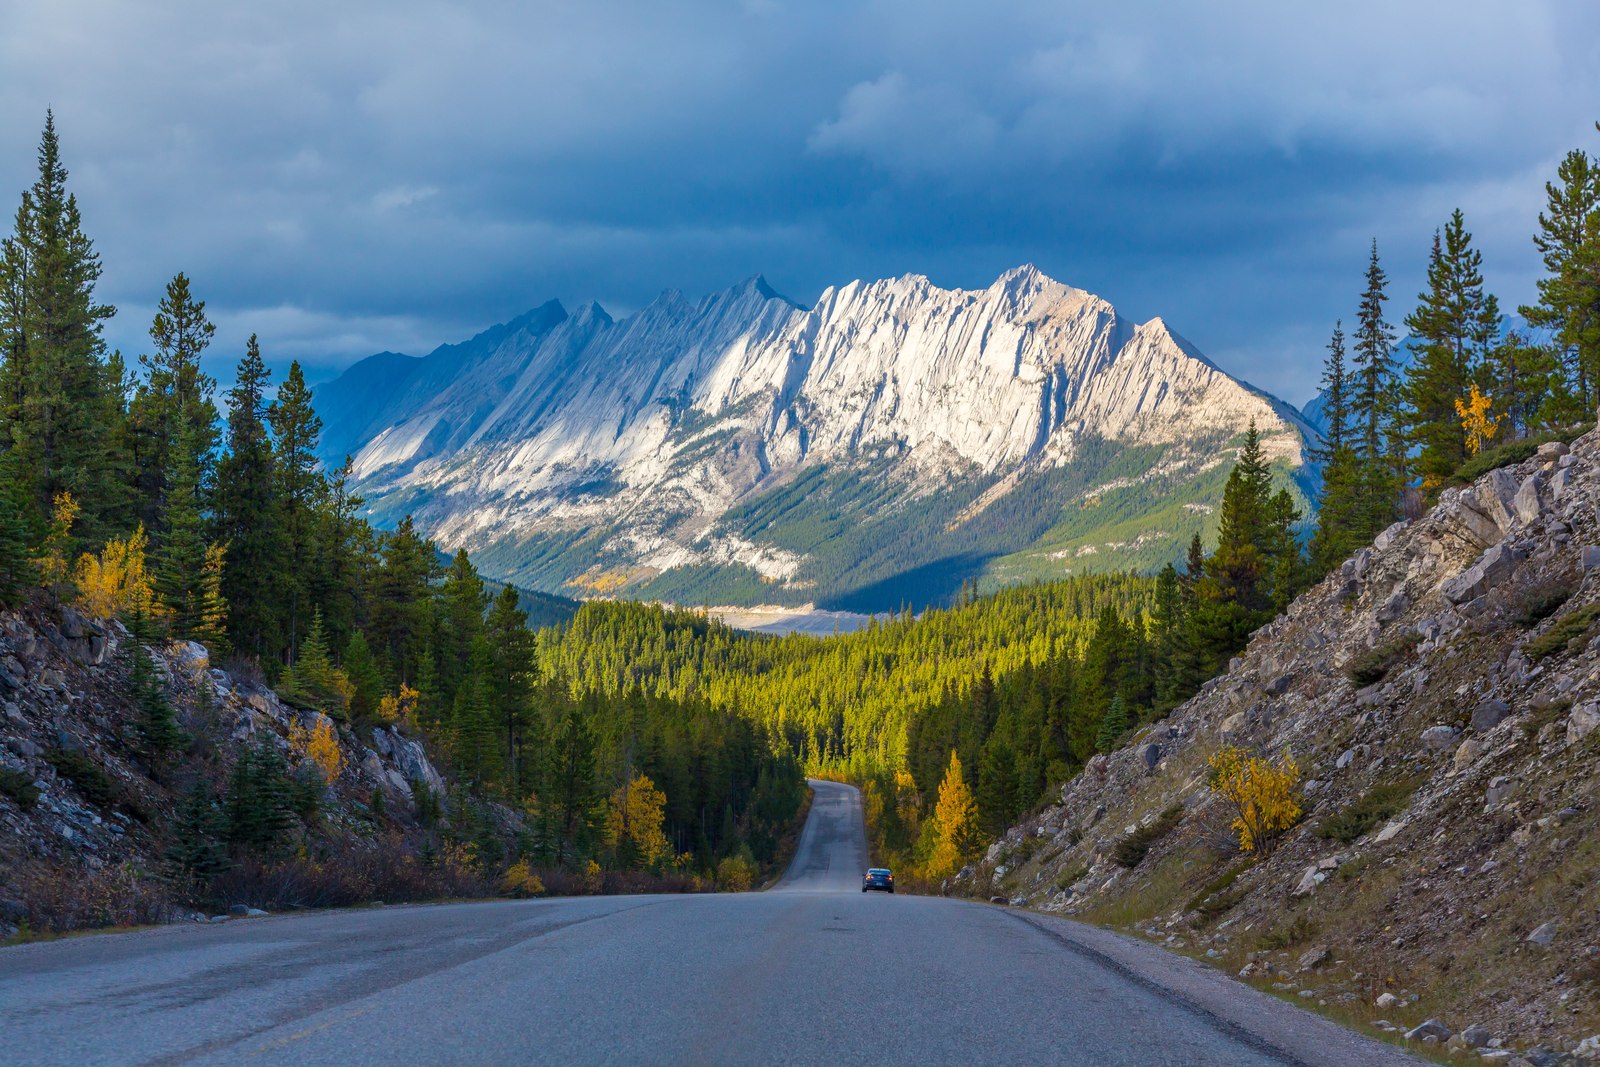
1371, 399
260, 801
513, 675
1455, 324
181, 555
172, 417
55, 411
301, 490
997, 788
573, 791
1569, 295
196, 853
248, 515
366, 681
1113, 725
399, 604
16, 563
157, 734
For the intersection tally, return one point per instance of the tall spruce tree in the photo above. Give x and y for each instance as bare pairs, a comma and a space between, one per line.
248, 515
181, 555
1455, 324
301, 488
1569, 295
172, 417
1341, 519
55, 412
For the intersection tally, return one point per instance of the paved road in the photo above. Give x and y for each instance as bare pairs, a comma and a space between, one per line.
812, 971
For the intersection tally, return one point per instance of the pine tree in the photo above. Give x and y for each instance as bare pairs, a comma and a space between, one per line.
997, 787
181, 556
301, 488
1455, 324
260, 802
573, 793
513, 675
1113, 725
248, 515
366, 681
196, 853
1341, 518
172, 417
157, 734
55, 412
1569, 295
16, 564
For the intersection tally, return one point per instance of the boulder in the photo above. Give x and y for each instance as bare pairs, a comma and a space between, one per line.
1432, 1028
1589, 557
1387, 1000
12, 676
1150, 755
1313, 877
1551, 451
1468, 753
1344, 759
1582, 722
1486, 572
1500, 787
1439, 737
191, 657
1544, 935
1529, 501
1313, 958
1489, 714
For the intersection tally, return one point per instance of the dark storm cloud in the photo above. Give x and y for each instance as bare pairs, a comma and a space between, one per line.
349, 177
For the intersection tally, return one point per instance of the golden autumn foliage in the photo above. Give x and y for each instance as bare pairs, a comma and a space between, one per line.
1476, 420
520, 881
637, 812
1260, 793
116, 582
318, 745
737, 874
955, 824
54, 561
398, 707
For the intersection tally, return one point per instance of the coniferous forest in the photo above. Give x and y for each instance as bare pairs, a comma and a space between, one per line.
133, 488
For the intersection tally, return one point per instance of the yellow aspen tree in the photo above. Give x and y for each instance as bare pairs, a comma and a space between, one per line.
1476, 420
54, 561
637, 812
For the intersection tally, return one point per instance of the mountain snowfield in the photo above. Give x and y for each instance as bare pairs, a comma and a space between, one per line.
742, 449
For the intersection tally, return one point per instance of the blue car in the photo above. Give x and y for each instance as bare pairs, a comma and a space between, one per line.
878, 878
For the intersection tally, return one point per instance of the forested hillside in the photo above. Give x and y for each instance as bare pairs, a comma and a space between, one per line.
129, 494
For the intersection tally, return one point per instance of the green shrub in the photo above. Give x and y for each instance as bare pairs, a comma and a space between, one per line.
1071, 876
1572, 629
1373, 666
1376, 805
1218, 895
1131, 850
1541, 602
1510, 452
1295, 932
85, 774
19, 787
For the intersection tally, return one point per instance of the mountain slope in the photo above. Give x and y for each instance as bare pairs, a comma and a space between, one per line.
741, 448
1441, 695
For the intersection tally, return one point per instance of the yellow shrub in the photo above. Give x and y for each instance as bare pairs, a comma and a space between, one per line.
736, 874
54, 562
520, 881
1260, 793
398, 707
116, 582
318, 745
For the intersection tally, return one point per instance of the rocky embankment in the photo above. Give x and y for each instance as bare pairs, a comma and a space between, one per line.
87, 825
1440, 693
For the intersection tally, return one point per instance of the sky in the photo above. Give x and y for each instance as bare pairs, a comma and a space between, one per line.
367, 175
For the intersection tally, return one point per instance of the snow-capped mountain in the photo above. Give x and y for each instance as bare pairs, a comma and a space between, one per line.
872, 449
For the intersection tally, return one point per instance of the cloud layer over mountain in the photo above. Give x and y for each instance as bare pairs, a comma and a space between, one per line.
345, 178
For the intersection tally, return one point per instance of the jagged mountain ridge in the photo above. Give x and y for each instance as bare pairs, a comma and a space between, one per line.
703, 449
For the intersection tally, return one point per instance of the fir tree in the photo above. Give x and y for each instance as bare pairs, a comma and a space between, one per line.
196, 853
54, 384
573, 791
1455, 324
1569, 295
1113, 725
157, 734
301, 489
172, 417
16, 564
181, 555
260, 802
248, 515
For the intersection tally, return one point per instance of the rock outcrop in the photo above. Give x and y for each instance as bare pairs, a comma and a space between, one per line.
76, 797
1447, 858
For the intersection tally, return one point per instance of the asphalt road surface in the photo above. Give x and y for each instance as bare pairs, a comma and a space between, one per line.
811, 971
